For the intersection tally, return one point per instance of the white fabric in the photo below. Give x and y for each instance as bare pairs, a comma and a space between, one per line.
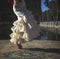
25, 27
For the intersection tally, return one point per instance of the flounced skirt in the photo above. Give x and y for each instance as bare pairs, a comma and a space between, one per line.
25, 28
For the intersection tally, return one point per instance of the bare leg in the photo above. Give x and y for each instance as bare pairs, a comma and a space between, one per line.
19, 45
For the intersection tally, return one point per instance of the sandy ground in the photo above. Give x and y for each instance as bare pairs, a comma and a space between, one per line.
42, 45
6, 46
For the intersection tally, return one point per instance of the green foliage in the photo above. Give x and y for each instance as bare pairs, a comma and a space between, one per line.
53, 6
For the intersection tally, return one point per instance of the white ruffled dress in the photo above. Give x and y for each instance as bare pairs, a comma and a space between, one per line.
25, 28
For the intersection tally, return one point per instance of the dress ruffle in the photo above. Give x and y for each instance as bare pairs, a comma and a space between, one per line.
24, 28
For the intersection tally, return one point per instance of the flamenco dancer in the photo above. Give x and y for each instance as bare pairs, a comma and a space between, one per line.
26, 27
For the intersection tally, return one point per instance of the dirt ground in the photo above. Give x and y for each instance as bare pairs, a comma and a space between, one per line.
42, 45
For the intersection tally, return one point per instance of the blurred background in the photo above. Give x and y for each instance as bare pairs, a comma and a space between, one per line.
46, 12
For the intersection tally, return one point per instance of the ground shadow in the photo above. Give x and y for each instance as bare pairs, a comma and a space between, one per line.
50, 50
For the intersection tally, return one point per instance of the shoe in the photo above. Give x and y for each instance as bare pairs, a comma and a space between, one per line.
19, 46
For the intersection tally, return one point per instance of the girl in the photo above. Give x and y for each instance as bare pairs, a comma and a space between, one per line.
25, 28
